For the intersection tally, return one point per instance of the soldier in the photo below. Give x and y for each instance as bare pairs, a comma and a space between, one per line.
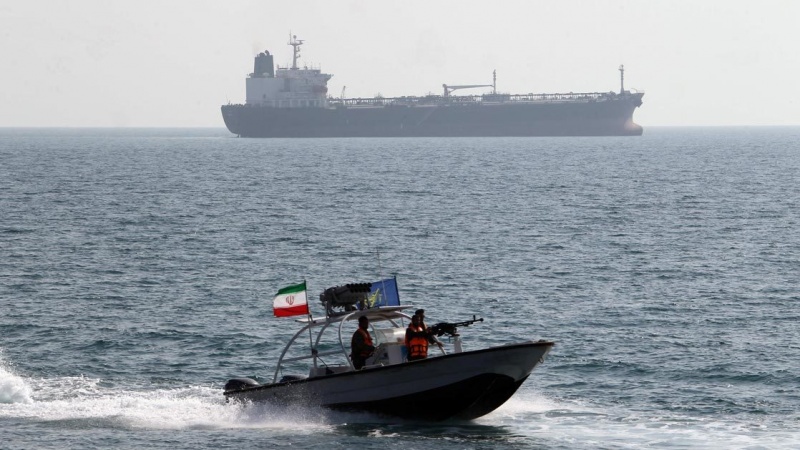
361, 345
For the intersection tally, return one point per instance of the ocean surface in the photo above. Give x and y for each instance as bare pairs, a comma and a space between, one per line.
138, 266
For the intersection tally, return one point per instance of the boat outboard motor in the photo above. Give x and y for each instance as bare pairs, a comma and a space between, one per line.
237, 384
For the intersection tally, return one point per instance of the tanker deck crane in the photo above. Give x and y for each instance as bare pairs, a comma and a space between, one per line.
448, 89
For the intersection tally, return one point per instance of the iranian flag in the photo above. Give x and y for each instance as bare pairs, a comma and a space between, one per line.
291, 301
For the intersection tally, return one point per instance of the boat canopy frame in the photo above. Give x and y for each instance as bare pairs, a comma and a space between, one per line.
382, 313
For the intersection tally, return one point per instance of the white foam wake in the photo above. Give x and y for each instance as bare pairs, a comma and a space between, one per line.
88, 402
581, 425
13, 388
81, 401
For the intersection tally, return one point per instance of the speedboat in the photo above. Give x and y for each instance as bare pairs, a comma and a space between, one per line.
457, 384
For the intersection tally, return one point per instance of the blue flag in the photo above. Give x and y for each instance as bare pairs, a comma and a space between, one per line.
383, 293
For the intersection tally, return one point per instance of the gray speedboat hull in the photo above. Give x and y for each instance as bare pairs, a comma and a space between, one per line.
460, 386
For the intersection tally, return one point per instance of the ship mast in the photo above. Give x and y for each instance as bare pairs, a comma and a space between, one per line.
296, 43
621, 79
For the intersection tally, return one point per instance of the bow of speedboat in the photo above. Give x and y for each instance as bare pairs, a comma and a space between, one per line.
461, 386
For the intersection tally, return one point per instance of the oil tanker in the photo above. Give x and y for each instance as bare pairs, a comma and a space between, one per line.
294, 102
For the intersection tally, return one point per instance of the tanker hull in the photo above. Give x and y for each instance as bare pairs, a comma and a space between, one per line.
608, 117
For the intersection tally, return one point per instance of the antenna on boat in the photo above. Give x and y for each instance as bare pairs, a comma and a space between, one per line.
296, 43
378, 255
621, 79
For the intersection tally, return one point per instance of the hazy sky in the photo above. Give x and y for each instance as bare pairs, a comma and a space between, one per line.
173, 63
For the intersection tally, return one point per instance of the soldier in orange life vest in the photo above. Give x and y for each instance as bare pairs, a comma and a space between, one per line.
431, 338
361, 345
416, 340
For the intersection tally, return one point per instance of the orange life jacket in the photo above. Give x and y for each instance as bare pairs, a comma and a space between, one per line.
365, 351
416, 343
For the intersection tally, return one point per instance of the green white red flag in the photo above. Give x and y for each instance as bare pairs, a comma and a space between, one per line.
291, 301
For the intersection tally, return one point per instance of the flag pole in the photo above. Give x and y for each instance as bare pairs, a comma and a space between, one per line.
380, 277
397, 289
378, 254
310, 323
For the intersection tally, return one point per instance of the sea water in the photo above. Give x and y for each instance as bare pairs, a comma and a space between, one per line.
137, 269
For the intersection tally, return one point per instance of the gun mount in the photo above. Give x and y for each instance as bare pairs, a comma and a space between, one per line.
451, 329
343, 299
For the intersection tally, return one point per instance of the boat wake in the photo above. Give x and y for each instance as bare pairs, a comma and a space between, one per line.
576, 424
13, 388
82, 402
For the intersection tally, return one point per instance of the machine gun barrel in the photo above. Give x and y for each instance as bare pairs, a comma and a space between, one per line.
451, 329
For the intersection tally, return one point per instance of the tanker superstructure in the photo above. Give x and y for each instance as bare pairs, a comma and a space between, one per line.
294, 102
